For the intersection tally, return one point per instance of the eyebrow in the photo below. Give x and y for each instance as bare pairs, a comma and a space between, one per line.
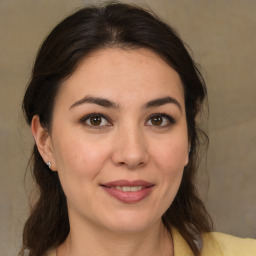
109, 104
163, 101
95, 100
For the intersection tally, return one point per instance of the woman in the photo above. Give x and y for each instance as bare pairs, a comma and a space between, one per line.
112, 104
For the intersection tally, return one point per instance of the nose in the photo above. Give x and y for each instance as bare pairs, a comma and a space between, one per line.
130, 149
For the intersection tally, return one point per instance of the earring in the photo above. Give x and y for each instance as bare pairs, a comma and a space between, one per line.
49, 164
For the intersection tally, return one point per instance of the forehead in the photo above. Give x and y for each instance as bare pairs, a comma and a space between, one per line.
123, 75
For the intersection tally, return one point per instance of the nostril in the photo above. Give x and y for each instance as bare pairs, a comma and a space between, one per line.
130, 164
127, 155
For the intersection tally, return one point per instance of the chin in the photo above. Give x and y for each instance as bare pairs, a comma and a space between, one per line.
130, 223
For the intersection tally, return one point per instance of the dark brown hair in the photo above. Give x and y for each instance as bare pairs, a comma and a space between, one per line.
89, 29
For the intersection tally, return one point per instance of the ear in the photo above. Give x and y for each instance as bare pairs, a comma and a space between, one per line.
43, 141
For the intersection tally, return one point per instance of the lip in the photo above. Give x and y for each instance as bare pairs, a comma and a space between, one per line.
128, 196
121, 183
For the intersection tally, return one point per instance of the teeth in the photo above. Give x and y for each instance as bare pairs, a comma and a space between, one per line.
129, 189
136, 188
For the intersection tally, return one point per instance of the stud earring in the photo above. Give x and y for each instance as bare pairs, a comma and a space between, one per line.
49, 164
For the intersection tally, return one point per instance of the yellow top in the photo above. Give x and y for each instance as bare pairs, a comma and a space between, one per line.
214, 244
51, 253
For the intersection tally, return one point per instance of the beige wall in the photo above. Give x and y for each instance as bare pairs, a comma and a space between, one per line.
222, 36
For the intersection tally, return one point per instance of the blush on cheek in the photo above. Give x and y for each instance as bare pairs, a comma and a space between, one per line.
85, 162
171, 161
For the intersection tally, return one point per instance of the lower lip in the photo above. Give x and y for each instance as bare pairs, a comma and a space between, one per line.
129, 197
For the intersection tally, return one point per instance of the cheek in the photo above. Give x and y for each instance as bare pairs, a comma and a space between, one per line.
79, 156
79, 165
170, 154
170, 159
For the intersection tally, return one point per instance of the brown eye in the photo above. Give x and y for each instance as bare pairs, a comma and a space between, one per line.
160, 120
157, 120
95, 120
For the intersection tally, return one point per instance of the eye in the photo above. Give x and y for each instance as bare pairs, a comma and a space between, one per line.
95, 120
160, 120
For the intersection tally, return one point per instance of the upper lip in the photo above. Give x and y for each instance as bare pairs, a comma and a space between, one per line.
127, 183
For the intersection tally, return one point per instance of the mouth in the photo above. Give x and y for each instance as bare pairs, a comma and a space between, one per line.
128, 191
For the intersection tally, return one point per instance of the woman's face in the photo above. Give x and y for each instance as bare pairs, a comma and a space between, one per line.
119, 139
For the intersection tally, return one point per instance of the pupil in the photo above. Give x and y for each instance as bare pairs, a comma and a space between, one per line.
95, 120
157, 120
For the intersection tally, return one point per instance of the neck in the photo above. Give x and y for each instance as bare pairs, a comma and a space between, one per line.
90, 240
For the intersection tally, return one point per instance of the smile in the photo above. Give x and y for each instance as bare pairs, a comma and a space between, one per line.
128, 191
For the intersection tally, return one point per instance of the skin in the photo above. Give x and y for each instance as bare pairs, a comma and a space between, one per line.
128, 144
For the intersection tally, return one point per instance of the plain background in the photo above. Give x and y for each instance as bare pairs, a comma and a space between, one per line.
222, 36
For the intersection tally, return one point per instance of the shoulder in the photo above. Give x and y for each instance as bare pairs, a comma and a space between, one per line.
227, 245
51, 253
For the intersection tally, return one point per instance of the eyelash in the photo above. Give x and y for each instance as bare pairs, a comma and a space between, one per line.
87, 117
170, 119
